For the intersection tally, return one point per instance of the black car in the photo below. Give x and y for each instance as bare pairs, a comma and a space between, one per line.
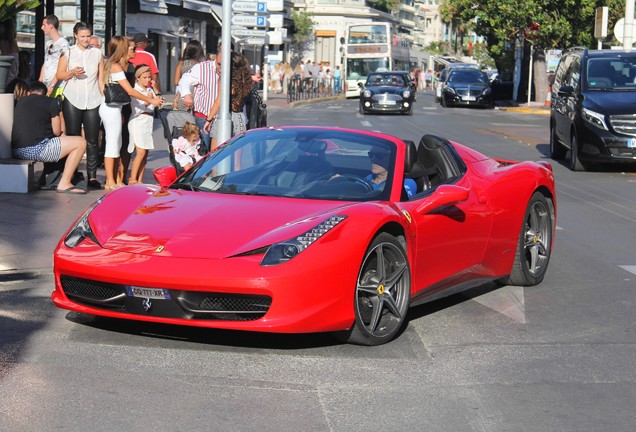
387, 92
468, 87
593, 108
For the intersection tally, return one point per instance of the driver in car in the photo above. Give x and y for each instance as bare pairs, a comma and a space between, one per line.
379, 158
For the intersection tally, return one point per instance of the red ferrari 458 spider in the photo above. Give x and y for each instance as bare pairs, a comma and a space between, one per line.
309, 229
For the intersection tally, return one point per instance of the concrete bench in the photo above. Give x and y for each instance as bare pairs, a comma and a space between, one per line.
16, 175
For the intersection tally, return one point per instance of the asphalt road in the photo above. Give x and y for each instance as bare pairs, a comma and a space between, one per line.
556, 357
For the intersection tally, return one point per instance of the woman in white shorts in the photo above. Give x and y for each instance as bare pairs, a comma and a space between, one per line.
114, 67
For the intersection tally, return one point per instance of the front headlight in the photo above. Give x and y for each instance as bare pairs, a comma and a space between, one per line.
594, 119
284, 251
367, 94
486, 91
82, 228
449, 89
406, 94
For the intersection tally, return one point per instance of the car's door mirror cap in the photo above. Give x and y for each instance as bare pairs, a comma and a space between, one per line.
566, 90
444, 195
165, 176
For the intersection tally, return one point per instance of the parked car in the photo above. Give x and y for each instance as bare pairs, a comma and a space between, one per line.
444, 75
593, 108
467, 87
387, 92
309, 229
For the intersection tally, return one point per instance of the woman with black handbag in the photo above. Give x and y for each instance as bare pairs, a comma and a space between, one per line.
117, 92
80, 66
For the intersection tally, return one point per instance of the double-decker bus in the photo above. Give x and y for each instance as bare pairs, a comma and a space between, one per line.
372, 47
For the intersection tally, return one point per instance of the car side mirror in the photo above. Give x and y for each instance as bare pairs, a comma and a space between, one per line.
444, 195
165, 176
566, 90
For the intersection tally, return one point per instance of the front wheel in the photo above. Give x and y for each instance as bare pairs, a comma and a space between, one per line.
575, 162
535, 242
382, 293
557, 151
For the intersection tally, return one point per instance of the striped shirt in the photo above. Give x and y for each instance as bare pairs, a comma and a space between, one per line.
202, 81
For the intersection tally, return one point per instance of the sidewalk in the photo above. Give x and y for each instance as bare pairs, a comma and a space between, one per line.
532, 108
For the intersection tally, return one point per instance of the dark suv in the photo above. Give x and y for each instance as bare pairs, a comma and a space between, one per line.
594, 107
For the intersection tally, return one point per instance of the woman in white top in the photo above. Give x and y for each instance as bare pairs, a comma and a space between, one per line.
113, 71
80, 66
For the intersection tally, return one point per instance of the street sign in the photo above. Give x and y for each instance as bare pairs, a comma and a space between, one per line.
619, 30
242, 31
275, 20
254, 41
246, 6
275, 5
249, 20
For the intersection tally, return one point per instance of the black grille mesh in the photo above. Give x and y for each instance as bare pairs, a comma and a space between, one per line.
90, 289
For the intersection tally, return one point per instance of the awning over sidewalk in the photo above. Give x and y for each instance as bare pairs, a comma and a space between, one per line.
153, 6
197, 5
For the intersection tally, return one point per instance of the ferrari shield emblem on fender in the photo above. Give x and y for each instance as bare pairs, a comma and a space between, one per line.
406, 215
159, 249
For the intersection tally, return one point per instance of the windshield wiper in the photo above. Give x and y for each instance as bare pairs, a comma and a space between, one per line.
186, 186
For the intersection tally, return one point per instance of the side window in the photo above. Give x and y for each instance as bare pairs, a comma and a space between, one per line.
574, 73
559, 76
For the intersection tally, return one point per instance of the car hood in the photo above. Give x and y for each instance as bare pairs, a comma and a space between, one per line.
461, 85
147, 220
611, 102
386, 89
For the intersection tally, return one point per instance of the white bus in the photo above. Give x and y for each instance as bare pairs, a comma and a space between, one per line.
372, 47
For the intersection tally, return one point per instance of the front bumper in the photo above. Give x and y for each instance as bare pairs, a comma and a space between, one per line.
234, 293
603, 146
388, 106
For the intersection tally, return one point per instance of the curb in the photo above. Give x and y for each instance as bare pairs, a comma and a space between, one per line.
539, 111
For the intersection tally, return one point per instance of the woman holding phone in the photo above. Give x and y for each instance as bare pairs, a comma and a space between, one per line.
81, 67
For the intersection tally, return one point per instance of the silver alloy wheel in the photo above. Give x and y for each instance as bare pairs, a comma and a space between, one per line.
537, 238
382, 292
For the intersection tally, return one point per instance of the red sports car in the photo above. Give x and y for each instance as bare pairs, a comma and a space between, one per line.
309, 229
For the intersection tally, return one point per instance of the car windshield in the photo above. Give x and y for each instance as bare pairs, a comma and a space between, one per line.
309, 163
386, 80
467, 76
609, 73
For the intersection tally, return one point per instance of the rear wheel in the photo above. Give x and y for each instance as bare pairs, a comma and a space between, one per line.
382, 293
575, 162
533, 249
557, 150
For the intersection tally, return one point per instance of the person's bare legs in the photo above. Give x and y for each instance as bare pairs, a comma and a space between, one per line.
124, 161
73, 147
110, 168
136, 172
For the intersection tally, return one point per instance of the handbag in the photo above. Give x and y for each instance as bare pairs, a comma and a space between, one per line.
115, 94
58, 93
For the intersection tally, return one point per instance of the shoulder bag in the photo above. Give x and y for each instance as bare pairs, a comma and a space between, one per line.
115, 94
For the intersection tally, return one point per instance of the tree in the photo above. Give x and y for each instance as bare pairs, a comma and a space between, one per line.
544, 24
385, 5
10, 8
302, 35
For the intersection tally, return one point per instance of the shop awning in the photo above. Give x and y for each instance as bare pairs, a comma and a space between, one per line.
197, 5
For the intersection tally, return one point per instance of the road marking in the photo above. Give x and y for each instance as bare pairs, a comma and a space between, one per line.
629, 268
508, 300
518, 125
365, 123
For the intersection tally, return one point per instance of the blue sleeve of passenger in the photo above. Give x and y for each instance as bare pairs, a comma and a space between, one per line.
410, 186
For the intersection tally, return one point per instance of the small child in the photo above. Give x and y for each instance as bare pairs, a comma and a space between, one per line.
140, 124
186, 147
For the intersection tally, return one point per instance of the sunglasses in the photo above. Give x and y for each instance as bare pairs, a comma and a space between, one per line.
132, 48
378, 155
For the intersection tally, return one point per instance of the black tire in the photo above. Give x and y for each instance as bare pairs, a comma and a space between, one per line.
382, 294
442, 102
557, 150
575, 162
535, 240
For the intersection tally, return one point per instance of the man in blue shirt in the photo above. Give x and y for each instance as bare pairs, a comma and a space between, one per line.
379, 171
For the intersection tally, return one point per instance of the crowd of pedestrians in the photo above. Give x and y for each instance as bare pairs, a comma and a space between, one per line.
320, 79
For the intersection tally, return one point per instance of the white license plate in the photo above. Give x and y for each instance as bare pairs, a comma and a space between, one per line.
150, 293
631, 143
388, 102
469, 98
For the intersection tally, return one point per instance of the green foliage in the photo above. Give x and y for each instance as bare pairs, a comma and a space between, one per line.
10, 8
561, 23
482, 56
304, 26
385, 5
438, 48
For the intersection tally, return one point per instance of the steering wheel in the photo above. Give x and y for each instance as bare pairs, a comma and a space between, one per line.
352, 178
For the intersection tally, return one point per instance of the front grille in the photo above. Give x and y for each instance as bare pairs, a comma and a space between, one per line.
382, 98
94, 293
624, 124
182, 304
469, 92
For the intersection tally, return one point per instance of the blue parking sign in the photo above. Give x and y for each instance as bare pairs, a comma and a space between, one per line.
262, 6
260, 21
